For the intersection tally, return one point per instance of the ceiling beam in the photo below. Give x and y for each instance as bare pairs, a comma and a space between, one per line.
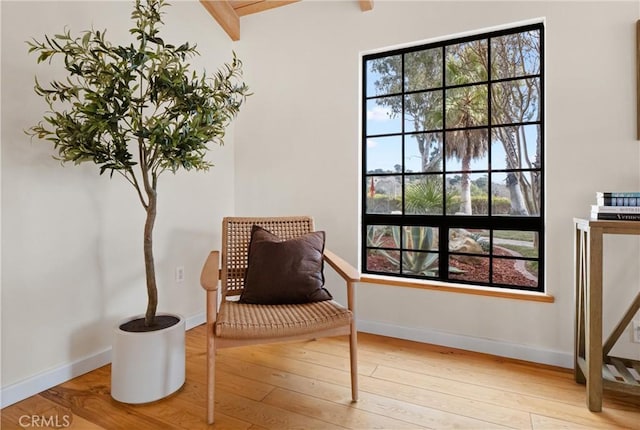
225, 15
365, 5
228, 12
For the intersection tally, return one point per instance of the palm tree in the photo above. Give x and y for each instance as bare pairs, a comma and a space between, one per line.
466, 106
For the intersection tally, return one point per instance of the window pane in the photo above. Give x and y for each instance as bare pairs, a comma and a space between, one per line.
383, 194
420, 238
515, 101
423, 153
467, 194
423, 69
466, 63
467, 106
383, 236
516, 243
473, 244
469, 241
423, 111
423, 194
384, 154
522, 273
515, 55
420, 263
382, 116
384, 76
383, 261
516, 147
465, 268
467, 150
515, 193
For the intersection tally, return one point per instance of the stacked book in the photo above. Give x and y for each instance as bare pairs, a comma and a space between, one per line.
623, 206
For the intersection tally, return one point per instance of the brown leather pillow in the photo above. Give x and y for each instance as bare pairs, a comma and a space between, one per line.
284, 271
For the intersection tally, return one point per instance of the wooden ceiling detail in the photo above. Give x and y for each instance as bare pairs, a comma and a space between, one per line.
228, 12
223, 12
366, 5
247, 7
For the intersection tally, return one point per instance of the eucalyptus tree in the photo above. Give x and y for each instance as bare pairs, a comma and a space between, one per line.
515, 101
135, 110
466, 106
422, 109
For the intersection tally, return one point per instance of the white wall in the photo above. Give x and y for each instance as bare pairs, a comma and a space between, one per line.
71, 254
297, 151
72, 240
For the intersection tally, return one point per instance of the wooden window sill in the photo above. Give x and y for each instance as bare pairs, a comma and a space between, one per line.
457, 288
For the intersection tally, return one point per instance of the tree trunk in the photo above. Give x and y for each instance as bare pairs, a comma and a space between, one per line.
465, 187
430, 158
150, 271
518, 206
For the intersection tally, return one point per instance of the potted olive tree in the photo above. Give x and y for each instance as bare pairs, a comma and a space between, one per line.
137, 111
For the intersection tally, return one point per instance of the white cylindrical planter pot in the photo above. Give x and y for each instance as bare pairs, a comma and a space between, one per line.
147, 366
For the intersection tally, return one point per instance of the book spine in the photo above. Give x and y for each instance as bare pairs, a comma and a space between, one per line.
615, 216
618, 194
616, 209
618, 201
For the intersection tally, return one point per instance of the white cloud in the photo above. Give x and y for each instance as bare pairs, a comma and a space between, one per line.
379, 113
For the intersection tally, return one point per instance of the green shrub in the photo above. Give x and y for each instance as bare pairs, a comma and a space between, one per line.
500, 205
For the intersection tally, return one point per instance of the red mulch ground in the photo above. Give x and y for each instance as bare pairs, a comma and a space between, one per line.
504, 270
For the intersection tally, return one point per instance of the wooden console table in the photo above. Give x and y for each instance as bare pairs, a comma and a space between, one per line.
592, 362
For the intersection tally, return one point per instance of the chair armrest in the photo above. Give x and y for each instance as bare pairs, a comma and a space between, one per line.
344, 269
211, 272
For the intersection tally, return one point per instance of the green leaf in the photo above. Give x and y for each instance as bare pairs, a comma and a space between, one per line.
85, 39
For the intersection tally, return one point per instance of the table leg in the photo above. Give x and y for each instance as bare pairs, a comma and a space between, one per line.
580, 262
593, 314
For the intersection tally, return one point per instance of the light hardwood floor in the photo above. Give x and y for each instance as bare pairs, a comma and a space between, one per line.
403, 385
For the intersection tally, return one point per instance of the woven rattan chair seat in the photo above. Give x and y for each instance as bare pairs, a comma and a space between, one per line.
245, 321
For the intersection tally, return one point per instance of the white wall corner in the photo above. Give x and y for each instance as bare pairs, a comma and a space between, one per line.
45, 380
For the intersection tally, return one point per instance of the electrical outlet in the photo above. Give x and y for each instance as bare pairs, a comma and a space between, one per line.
635, 326
179, 273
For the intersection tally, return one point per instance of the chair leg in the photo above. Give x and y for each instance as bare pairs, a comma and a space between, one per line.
211, 374
353, 352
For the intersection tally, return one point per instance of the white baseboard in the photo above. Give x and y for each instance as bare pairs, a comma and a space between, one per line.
486, 346
45, 380
195, 320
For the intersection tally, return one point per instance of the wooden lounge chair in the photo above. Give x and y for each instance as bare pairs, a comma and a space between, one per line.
231, 323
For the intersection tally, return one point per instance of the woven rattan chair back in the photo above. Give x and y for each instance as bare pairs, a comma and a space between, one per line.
236, 235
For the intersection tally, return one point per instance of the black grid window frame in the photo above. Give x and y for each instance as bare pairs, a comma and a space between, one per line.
533, 223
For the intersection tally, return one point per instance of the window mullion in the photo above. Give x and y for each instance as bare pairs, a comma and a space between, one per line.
443, 238
402, 161
489, 153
